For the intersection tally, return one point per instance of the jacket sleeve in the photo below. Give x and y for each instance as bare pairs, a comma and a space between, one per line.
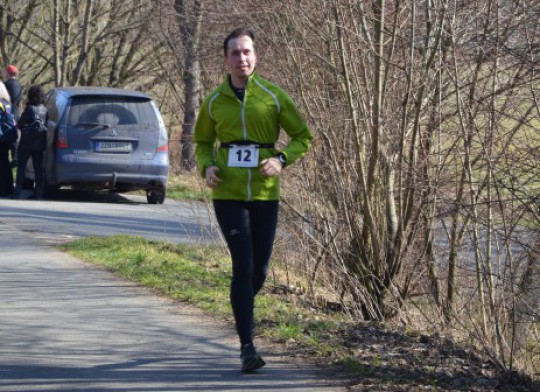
205, 138
25, 118
296, 128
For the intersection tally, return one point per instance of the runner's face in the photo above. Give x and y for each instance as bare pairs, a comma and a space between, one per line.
241, 58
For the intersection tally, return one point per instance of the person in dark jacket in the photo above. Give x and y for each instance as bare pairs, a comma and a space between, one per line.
15, 90
6, 175
32, 145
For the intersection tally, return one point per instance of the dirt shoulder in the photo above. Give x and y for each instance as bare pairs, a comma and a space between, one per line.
397, 361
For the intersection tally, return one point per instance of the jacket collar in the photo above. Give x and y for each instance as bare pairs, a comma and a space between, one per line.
226, 88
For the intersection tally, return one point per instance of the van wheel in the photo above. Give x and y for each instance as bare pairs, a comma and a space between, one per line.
155, 196
28, 184
50, 191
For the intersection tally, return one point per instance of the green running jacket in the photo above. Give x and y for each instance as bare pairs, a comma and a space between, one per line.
266, 109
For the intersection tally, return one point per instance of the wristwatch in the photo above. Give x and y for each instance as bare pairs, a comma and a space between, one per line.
282, 158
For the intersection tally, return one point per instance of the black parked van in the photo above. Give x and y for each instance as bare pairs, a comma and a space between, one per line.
105, 138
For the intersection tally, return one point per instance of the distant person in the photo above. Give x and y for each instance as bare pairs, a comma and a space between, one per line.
15, 90
245, 115
32, 145
6, 174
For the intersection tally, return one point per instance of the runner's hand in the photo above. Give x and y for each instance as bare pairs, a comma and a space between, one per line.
210, 175
270, 167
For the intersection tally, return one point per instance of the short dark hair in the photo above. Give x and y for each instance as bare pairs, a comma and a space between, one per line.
238, 32
35, 95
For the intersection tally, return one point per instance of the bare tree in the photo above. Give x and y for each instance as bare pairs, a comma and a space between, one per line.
102, 42
422, 185
191, 41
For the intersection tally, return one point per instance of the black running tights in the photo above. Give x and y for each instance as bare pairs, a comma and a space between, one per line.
249, 229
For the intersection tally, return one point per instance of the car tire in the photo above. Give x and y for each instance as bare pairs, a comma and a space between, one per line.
28, 184
50, 191
155, 196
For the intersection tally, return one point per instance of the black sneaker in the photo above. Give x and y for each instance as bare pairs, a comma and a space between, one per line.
251, 361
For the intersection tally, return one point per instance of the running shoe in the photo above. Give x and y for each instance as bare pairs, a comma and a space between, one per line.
251, 361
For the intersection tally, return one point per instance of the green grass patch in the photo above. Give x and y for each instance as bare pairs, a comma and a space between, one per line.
201, 275
183, 272
288, 331
185, 191
353, 365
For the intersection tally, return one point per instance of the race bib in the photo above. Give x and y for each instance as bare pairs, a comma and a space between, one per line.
244, 156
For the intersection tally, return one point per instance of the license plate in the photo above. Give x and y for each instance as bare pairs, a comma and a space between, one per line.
113, 147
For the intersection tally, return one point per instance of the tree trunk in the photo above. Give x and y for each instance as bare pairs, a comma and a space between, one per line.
56, 42
191, 36
66, 22
83, 52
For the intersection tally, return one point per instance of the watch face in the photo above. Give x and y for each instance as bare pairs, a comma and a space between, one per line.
282, 159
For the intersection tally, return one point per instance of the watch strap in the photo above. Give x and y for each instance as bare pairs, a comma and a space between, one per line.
282, 158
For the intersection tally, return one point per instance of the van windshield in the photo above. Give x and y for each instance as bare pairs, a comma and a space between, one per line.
117, 112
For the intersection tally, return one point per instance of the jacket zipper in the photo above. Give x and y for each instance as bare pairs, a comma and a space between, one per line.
244, 129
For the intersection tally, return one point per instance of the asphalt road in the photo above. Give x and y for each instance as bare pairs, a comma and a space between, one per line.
66, 325
75, 214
